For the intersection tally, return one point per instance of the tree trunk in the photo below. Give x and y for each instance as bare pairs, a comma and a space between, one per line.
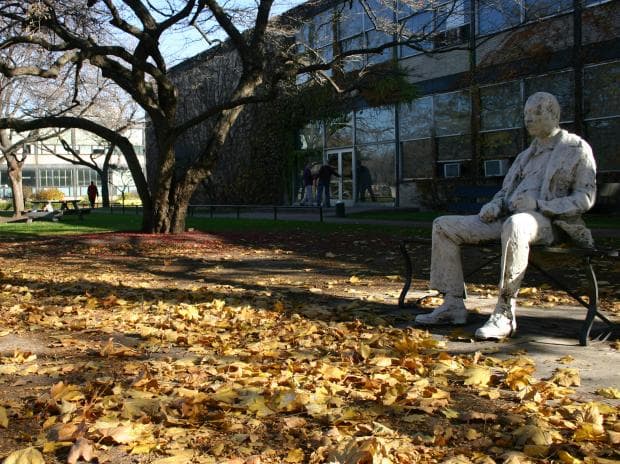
105, 188
15, 177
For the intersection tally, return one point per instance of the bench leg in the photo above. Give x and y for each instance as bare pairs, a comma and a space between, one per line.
408, 274
584, 334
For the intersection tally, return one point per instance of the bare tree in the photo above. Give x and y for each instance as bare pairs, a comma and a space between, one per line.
68, 36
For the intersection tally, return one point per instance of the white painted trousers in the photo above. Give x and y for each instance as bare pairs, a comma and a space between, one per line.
517, 232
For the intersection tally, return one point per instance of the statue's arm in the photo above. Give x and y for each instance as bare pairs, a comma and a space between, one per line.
583, 191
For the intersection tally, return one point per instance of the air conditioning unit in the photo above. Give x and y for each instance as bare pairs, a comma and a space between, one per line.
452, 170
495, 168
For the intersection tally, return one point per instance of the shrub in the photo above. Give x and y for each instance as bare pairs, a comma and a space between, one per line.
49, 194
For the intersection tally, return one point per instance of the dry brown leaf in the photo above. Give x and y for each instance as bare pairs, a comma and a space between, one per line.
82, 448
25, 456
4, 418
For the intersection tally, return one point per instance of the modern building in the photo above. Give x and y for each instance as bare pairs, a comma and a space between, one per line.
475, 66
44, 169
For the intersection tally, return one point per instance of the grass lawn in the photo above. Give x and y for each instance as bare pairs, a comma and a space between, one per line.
105, 222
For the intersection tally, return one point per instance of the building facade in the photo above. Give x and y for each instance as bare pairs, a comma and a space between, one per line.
44, 169
473, 75
473, 67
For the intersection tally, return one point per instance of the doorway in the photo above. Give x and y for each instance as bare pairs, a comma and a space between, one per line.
341, 188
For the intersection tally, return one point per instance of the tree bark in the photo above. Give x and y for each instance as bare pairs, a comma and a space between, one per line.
15, 167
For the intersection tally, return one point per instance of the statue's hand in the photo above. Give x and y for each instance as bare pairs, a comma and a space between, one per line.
523, 203
489, 212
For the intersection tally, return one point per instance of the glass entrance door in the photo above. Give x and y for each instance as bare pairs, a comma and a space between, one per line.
341, 188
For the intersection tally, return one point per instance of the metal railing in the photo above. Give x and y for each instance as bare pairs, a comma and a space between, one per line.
212, 210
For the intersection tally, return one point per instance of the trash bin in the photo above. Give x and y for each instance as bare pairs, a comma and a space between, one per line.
340, 209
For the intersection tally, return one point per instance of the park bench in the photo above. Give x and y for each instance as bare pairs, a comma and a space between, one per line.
585, 256
468, 199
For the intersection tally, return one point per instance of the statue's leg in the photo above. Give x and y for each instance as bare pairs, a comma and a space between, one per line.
519, 231
449, 233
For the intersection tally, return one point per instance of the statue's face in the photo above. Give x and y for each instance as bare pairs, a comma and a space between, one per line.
539, 120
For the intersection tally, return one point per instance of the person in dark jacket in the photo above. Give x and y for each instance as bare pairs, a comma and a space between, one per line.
364, 182
325, 174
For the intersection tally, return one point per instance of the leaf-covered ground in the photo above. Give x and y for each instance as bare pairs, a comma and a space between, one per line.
272, 348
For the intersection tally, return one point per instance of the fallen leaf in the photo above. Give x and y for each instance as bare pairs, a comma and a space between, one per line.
25, 456
82, 448
4, 418
609, 392
477, 376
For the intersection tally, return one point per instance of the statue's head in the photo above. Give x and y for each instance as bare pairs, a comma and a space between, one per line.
542, 115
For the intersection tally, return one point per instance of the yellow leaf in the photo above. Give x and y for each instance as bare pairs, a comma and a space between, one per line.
4, 418
536, 451
294, 456
531, 434
472, 434
609, 392
354, 280
477, 376
590, 432
450, 413
566, 377
568, 458
25, 456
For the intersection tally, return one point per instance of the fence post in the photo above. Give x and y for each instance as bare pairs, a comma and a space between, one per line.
275, 213
238, 212
211, 208
321, 213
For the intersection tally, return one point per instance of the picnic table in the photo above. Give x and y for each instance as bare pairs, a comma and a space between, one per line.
67, 206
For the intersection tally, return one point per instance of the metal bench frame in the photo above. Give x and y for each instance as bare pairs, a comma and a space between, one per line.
586, 255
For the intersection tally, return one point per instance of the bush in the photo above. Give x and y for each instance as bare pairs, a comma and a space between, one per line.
49, 194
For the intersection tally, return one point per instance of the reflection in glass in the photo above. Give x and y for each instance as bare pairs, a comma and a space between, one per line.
452, 15
339, 131
379, 15
601, 90
454, 148
452, 113
311, 136
413, 29
354, 61
501, 106
417, 159
416, 118
351, 19
379, 159
375, 125
501, 144
495, 15
323, 27
561, 85
535, 9
375, 38
603, 137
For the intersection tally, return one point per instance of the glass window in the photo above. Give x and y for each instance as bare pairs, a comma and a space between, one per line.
375, 125
339, 131
354, 61
416, 118
28, 178
311, 136
495, 15
452, 15
379, 159
540, 8
323, 28
412, 30
417, 159
603, 137
326, 53
351, 17
501, 144
452, 113
454, 148
379, 15
305, 37
500, 106
375, 38
601, 90
561, 85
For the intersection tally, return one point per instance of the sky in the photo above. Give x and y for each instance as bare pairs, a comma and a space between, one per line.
180, 46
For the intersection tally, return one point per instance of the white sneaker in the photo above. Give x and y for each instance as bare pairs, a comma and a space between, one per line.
451, 311
501, 324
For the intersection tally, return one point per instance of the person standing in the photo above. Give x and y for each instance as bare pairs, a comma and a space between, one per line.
324, 177
308, 180
364, 182
93, 193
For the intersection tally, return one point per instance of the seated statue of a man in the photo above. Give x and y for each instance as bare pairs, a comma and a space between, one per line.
545, 192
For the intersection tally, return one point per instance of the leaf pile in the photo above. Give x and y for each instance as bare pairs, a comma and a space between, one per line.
140, 363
